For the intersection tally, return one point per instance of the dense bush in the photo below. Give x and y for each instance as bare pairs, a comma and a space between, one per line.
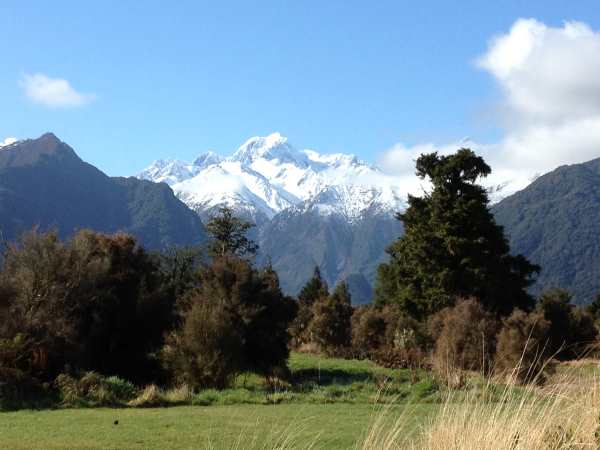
522, 350
95, 302
236, 319
316, 288
369, 325
465, 338
571, 329
93, 388
331, 326
207, 350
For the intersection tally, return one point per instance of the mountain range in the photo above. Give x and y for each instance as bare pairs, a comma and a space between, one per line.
310, 209
555, 222
44, 183
331, 211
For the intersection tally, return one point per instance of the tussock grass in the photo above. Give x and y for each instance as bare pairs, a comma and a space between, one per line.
562, 415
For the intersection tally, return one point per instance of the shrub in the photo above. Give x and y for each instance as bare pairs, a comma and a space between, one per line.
122, 389
315, 289
17, 388
150, 397
330, 326
466, 339
571, 329
94, 388
388, 337
207, 350
94, 302
522, 351
369, 327
237, 319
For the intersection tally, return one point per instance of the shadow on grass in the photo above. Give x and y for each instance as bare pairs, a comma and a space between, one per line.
328, 376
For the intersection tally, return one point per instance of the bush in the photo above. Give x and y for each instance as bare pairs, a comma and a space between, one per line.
331, 326
237, 319
522, 350
120, 388
388, 337
369, 327
315, 289
466, 339
18, 389
208, 349
94, 302
571, 329
94, 388
150, 397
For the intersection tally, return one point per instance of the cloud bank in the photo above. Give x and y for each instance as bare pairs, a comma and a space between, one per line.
549, 78
53, 92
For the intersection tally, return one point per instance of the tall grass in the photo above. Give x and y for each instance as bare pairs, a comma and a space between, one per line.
563, 415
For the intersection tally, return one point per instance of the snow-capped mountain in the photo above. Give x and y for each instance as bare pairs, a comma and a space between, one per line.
267, 175
330, 210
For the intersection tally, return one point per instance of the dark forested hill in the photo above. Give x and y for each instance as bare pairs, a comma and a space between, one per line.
555, 222
44, 183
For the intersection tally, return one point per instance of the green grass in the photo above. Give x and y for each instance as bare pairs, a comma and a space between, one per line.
330, 402
317, 379
220, 427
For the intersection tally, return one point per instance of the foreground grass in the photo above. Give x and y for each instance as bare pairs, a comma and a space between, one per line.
335, 426
335, 404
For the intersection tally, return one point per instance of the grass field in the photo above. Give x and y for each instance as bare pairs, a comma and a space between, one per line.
333, 426
331, 404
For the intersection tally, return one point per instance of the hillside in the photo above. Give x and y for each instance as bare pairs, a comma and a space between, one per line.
44, 183
555, 222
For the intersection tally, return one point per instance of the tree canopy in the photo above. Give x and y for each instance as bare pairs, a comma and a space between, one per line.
452, 246
228, 234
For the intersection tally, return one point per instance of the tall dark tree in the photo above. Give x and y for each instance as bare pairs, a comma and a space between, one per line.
452, 247
228, 234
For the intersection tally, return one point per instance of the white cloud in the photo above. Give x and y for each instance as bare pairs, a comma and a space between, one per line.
550, 83
8, 141
53, 92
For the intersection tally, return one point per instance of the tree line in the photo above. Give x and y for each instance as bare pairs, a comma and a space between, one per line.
451, 297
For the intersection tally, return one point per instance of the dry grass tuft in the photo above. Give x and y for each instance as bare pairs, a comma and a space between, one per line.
562, 416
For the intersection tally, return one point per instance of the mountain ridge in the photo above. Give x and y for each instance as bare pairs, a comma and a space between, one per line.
43, 182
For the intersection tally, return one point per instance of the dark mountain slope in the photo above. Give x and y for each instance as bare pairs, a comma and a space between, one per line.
555, 222
300, 238
44, 183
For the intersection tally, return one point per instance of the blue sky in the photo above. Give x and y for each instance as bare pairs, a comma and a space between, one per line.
158, 81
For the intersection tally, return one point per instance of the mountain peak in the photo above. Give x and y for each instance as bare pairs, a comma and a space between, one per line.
273, 146
207, 159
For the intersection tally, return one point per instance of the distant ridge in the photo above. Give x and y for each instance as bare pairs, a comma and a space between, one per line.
44, 183
555, 222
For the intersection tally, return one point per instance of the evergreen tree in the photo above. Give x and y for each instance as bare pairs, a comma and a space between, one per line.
331, 324
313, 290
452, 247
228, 234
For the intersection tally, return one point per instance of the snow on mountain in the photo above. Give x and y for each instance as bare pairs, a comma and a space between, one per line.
352, 201
267, 175
8, 141
170, 171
